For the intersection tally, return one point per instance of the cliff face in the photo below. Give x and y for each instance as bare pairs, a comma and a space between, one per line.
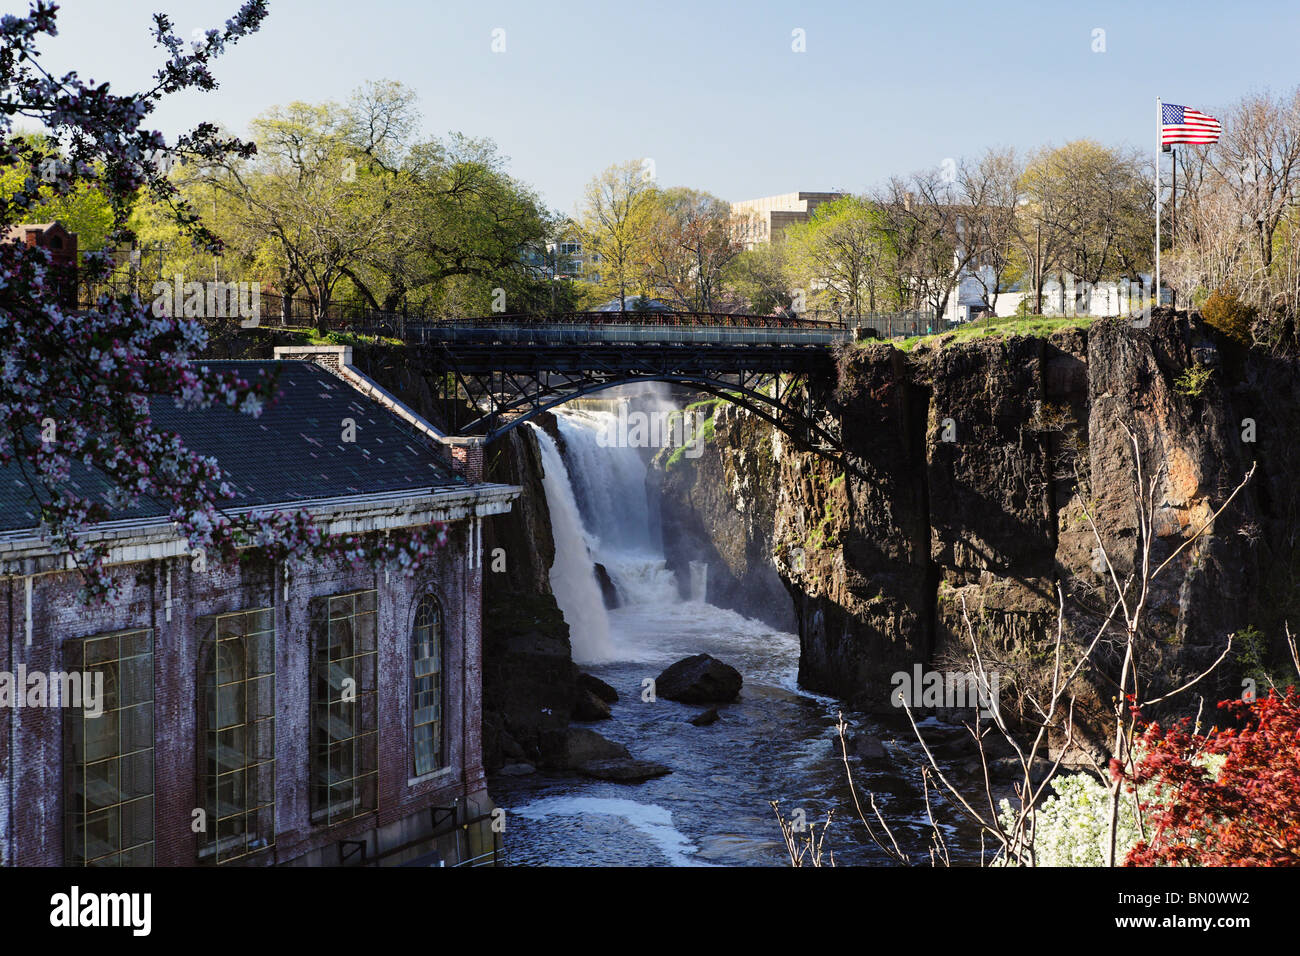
529, 678
972, 466
719, 508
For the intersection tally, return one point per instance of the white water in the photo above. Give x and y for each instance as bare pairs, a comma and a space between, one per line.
651, 820
609, 484
774, 742
573, 578
699, 581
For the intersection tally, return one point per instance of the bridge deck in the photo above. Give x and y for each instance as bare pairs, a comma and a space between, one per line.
551, 334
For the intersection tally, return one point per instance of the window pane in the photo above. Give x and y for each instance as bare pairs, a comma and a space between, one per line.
109, 768
239, 739
344, 724
426, 687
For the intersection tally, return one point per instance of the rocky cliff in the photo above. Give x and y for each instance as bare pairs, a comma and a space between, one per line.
977, 471
973, 468
718, 508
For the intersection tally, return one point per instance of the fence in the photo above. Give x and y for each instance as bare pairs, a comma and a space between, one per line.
299, 312
552, 332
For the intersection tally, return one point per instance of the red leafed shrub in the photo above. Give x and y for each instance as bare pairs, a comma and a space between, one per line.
1228, 798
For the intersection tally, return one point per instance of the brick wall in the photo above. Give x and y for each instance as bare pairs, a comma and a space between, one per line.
36, 762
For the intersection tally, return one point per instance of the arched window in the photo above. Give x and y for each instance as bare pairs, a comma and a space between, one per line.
426, 686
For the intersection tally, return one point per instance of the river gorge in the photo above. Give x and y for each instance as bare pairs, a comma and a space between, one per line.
964, 503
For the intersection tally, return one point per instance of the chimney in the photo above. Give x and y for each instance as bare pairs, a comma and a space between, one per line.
467, 456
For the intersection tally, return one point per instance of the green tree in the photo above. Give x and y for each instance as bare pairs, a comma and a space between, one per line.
82, 209
760, 277
613, 219
688, 245
1090, 206
842, 255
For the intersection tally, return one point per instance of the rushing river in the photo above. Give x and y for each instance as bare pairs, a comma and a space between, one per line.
775, 742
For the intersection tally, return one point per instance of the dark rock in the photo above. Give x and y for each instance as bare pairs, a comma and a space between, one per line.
1010, 768
528, 672
529, 680
702, 679
719, 507
706, 717
588, 706
598, 687
517, 770
867, 747
607, 589
582, 746
509, 747
623, 770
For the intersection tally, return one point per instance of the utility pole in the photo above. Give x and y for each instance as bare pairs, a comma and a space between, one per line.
1038, 266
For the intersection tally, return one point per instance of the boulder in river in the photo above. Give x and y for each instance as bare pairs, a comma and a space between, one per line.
623, 770
705, 717
867, 747
587, 706
582, 746
702, 679
521, 769
598, 687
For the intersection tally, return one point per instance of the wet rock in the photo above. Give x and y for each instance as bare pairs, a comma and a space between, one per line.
1010, 768
582, 746
528, 680
598, 687
623, 770
867, 747
719, 508
705, 718
702, 679
587, 706
607, 589
516, 770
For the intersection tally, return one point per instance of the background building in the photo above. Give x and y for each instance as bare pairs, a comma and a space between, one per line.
764, 220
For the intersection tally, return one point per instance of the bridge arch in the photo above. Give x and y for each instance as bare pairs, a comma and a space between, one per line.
800, 425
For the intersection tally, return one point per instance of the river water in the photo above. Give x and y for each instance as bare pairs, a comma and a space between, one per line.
776, 742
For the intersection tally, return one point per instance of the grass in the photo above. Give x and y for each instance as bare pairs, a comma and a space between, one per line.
707, 431
312, 337
1036, 325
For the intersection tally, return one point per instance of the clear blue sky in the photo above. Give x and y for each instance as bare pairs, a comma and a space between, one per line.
712, 91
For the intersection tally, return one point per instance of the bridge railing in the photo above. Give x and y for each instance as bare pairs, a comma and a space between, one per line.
288, 311
895, 324
503, 332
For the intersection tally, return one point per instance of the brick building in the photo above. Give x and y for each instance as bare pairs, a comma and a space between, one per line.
257, 713
62, 246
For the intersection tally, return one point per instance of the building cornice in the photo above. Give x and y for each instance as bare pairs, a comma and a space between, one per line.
130, 540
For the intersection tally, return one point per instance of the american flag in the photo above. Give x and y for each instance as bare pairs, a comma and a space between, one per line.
1178, 124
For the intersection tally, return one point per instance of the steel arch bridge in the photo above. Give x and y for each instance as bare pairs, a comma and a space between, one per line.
492, 375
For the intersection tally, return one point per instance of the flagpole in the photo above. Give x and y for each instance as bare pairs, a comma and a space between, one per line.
1159, 122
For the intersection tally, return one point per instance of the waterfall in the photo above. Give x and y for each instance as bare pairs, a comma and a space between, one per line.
609, 484
700, 581
573, 576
